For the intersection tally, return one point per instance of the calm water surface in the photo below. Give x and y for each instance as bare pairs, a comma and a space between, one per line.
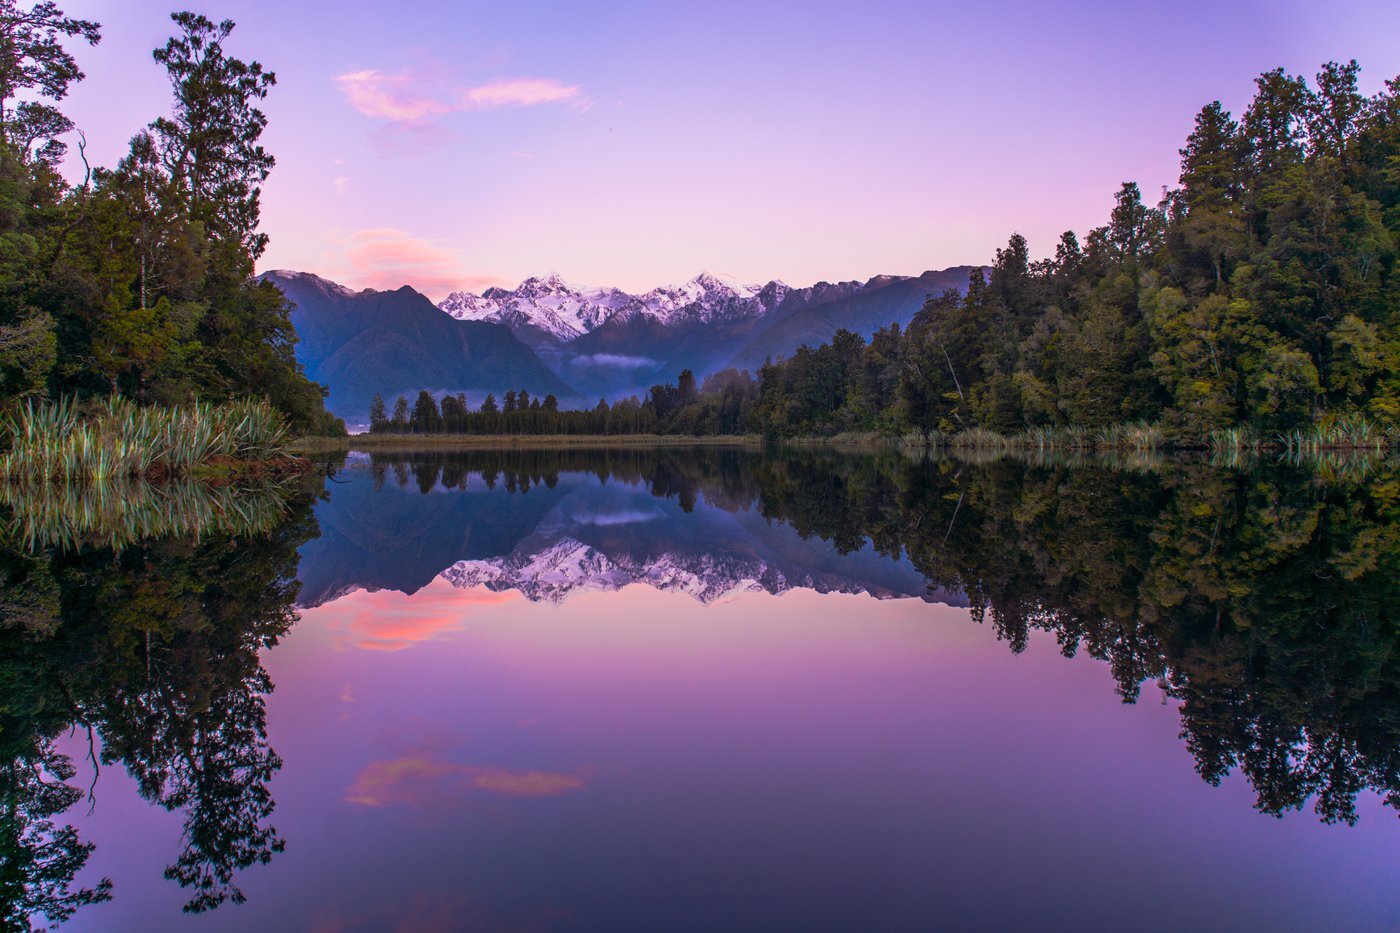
697, 690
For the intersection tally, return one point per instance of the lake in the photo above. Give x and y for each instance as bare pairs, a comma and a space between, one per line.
698, 689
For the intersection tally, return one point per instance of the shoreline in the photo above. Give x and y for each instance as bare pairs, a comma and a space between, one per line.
304, 445
988, 443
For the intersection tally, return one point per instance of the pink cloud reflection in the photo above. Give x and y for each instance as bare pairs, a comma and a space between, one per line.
390, 621
423, 779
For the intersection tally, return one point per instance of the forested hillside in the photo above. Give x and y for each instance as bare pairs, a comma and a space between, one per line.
359, 342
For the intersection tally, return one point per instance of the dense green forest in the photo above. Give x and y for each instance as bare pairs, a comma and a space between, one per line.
1261, 296
138, 280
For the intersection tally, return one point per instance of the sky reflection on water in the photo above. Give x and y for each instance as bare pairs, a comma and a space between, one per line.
468, 758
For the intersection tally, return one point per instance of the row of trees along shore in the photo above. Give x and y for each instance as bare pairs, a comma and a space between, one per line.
1259, 300
720, 406
137, 281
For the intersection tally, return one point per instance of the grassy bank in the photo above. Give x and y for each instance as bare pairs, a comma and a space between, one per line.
314, 445
1338, 435
117, 440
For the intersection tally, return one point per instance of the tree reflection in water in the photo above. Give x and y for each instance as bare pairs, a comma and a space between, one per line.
1261, 596
152, 650
1258, 593
1262, 599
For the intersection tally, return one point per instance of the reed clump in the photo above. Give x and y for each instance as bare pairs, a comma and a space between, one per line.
1140, 436
57, 442
1353, 432
121, 513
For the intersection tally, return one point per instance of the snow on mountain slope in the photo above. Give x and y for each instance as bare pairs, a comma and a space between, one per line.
552, 568
326, 285
550, 304
566, 312
569, 566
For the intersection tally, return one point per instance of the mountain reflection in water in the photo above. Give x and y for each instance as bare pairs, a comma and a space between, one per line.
1257, 600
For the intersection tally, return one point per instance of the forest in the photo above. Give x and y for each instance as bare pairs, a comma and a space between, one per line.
137, 281
1258, 300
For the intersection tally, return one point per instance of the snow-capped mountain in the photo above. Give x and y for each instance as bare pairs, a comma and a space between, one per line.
586, 342
684, 523
564, 312
568, 566
550, 305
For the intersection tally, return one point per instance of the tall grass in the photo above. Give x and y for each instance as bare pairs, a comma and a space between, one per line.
116, 439
119, 513
1138, 436
979, 439
1242, 438
1352, 432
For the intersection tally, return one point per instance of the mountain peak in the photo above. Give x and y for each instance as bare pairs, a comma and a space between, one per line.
291, 275
708, 280
552, 282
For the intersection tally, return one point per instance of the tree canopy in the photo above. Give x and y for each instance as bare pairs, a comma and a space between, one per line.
139, 280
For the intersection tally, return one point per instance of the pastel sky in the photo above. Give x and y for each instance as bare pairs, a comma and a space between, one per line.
451, 145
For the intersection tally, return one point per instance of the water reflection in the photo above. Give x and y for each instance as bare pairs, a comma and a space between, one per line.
1259, 596
152, 652
572, 522
1262, 598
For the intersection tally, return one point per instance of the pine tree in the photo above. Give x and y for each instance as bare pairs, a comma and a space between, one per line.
426, 418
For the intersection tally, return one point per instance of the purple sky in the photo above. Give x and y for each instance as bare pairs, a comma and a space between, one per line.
457, 145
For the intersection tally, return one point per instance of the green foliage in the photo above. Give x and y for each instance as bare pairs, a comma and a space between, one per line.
35, 60
116, 439
138, 282
1262, 294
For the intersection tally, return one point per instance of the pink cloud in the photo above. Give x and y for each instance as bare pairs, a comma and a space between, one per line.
414, 98
387, 97
520, 92
386, 258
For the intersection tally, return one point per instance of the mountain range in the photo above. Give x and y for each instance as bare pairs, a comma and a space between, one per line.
398, 342
573, 533
604, 341
579, 344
